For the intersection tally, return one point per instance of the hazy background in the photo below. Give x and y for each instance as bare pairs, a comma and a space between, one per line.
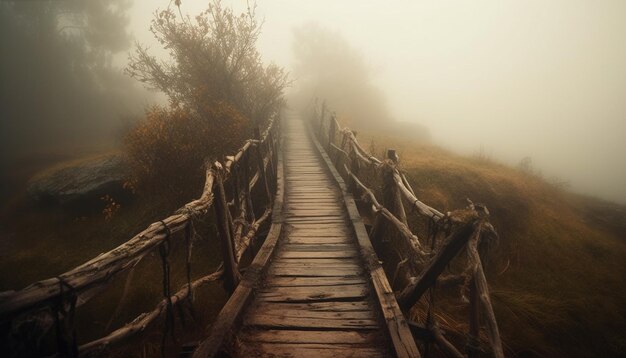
539, 79
544, 79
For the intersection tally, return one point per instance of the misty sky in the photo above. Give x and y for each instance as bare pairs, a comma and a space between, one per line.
545, 79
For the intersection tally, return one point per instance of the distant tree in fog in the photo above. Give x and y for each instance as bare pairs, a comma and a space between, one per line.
218, 89
58, 83
328, 67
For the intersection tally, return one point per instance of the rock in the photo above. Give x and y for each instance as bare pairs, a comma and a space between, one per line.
81, 182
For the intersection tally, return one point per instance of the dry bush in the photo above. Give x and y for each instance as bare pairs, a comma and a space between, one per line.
213, 58
218, 89
168, 150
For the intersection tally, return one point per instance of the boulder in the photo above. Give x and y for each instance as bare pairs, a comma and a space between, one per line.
81, 182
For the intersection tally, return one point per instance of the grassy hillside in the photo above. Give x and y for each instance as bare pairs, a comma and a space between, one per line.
41, 241
557, 276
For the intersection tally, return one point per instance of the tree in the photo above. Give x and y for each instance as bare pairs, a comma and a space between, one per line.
58, 81
329, 68
218, 88
213, 59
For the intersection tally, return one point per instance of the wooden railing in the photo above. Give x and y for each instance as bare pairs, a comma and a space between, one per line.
420, 262
227, 189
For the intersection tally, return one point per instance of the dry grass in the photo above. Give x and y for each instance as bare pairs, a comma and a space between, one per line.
557, 277
41, 242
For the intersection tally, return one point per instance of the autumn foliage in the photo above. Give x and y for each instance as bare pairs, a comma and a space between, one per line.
169, 148
218, 89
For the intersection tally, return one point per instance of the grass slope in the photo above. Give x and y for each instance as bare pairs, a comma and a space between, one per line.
557, 276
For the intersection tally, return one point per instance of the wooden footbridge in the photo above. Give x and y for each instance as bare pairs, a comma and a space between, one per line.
315, 285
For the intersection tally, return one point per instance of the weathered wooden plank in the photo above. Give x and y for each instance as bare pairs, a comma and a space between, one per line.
317, 193
314, 228
330, 306
317, 212
354, 338
313, 266
270, 321
276, 350
275, 281
319, 220
317, 202
306, 271
315, 299
397, 328
270, 308
298, 254
318, 240
319, 235
317, 247
233, 309
317, 261
323, 188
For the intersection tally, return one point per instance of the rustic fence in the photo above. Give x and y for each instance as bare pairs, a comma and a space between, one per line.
227, 189
417, 265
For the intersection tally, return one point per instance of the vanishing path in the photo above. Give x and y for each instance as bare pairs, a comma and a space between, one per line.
317, 298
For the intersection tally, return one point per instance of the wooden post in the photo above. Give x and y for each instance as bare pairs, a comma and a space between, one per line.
482, 287
378, 231
273, 143
260, 160
355, 165
231, 272
454, 243
472, 347
332, 128
392, 198
322, 115
392, 201
235, 178
249, 209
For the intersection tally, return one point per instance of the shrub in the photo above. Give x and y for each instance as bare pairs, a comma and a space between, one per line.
168, 149
218, 88
213, 59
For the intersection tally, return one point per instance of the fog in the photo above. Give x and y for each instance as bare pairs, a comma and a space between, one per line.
539, 79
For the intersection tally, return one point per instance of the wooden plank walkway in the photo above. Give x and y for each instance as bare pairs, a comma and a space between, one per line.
316, 287
316, 300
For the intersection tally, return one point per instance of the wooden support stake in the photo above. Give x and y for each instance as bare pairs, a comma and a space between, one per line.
354, 168
454, 243
445, 345
472, 347
378, 230
332, 128
322, 115
260, 161
231, 272
483, 295
392, 198
249, 212
273, 143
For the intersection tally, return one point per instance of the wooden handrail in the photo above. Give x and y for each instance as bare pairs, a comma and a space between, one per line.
468, 226
87, 279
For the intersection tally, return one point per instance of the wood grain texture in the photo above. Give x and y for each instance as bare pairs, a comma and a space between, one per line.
323, 292
316, 299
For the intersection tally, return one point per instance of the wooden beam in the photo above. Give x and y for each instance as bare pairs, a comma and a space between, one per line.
231, 272
261, 167
443, 344
91, 276
233, 310
483, 294
453, 244
397, 328
143, 321
474, 321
